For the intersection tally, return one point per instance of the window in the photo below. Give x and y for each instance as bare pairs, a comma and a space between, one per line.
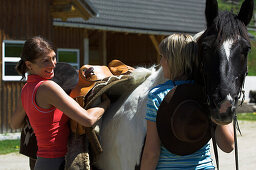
70, 56
10, 57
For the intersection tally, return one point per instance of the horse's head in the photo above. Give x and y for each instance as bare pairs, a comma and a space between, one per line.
223, 49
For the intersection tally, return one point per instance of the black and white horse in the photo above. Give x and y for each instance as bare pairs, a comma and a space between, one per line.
223, 48
223, 51
123, 127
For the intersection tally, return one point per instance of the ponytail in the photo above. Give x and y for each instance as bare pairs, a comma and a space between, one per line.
32, 49
21, 68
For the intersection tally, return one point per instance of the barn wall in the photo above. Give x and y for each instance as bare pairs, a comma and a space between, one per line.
20, 20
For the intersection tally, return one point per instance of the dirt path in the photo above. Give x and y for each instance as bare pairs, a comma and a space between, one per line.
246, 149
14, 161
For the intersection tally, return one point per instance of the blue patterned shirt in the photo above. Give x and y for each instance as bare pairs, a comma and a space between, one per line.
199, 160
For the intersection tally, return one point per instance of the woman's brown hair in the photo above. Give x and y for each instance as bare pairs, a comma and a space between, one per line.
34, 48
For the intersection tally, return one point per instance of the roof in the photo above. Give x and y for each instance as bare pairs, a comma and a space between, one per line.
64, 9
144, 16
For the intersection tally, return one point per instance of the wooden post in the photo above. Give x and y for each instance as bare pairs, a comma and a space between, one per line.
86, 51
103, 48
155, 43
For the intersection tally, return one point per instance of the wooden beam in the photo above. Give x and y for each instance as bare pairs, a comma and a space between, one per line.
68, 9
65, 15
60, 2
62, 8
80, 7
155, 43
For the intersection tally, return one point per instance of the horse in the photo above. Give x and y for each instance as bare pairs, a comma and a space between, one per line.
123, 127
223, 49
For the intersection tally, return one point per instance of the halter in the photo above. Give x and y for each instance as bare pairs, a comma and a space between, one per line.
235, 122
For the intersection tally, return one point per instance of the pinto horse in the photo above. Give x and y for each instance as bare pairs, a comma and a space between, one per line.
223, 47
123, 126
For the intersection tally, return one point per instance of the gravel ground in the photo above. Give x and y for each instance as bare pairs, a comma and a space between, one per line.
246, 149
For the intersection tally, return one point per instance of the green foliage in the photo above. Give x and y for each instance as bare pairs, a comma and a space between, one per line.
8, 146
224, 5
247, 116
235, 7
252, 59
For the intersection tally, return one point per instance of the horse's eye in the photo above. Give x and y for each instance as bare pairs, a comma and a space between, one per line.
245, 51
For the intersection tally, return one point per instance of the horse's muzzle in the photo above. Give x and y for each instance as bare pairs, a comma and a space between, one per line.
222, 116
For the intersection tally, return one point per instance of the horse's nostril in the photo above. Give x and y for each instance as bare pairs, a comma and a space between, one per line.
225, 106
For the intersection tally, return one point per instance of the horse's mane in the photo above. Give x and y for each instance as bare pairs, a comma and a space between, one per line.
228, 26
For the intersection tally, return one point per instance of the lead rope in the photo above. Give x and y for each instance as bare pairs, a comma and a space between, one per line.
235, 124
214, 145
236, 127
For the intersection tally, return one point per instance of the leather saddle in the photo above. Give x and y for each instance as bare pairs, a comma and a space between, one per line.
89, 77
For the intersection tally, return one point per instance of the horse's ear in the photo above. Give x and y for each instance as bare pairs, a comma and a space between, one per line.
211, 11
246, 11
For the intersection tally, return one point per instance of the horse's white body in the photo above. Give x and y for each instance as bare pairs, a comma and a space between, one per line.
124, 126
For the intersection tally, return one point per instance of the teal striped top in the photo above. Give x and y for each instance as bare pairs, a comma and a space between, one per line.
201, 159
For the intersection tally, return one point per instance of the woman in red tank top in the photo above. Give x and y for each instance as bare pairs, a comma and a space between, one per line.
47, 105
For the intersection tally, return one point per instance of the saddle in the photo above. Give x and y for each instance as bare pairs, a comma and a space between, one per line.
92, 79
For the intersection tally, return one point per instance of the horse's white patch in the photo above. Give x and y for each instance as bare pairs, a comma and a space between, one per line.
229, 97
227, 47
124, 124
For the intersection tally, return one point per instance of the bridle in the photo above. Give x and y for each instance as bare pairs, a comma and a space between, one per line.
241, 92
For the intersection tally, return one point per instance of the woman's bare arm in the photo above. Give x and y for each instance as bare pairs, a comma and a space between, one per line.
51, 94
225, 137
18, 117
151, 151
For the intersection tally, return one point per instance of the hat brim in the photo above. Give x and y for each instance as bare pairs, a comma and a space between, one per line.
65, 76
164, 114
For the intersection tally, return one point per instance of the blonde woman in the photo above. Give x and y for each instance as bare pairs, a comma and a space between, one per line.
179, 57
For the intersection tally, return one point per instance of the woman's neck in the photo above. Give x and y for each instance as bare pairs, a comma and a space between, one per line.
182, 77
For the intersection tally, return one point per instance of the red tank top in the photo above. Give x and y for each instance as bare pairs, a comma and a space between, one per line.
50, 125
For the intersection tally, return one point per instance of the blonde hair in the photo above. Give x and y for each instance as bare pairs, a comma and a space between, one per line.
181, 52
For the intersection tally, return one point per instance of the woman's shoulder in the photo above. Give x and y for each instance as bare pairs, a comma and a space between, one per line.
48, 86
162, 88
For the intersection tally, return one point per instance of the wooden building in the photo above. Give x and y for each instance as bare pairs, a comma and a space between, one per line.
89, 31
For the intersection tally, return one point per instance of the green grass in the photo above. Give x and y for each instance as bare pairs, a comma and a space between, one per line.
247, 116
9, 146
